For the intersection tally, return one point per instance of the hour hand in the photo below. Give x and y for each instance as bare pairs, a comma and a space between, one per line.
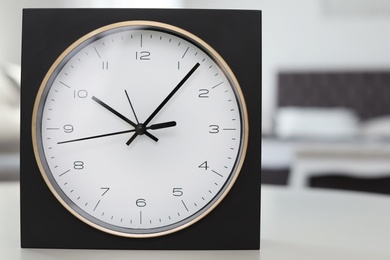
121, 116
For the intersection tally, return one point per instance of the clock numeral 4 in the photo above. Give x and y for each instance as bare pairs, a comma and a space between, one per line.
204, 165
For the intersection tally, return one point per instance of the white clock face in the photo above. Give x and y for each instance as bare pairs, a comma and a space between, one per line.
140, 129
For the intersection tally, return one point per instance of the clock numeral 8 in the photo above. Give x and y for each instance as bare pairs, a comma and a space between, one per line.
78, 165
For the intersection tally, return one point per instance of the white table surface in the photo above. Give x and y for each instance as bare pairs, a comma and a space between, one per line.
296, 224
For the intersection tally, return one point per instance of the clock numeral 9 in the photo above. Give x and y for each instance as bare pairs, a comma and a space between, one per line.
142, 55
68, 129
78, 165
178, 192
140, 203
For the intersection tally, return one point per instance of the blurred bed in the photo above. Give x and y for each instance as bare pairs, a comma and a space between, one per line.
330, 127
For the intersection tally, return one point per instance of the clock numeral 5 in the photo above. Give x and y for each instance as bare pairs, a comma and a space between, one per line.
142, 55
178, 192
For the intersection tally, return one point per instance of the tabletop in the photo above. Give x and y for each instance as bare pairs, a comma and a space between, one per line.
296, 224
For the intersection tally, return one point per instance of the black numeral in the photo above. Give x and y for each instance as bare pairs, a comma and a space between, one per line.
140, 203
68, 129
80, 93
142, 55
178, 192
203, 93
204, 165
78, 165
214, 129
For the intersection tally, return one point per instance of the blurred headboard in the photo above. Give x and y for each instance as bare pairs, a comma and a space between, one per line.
367, 93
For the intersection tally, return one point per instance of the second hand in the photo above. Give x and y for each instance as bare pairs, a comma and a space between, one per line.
152, 127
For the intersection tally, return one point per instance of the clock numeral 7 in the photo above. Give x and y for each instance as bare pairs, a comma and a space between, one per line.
142, 55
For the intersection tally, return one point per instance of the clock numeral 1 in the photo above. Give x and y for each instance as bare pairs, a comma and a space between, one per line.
105, 65
105, 190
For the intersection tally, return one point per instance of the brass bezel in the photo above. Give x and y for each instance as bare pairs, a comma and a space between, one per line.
168, 29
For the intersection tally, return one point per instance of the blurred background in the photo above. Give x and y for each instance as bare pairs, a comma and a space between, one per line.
325, 87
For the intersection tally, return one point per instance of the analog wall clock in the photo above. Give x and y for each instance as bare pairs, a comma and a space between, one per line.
139, 129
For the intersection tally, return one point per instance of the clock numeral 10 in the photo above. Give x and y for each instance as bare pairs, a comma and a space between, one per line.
142, 55
80, 93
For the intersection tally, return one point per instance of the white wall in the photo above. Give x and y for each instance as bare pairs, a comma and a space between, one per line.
299, 34
313, 35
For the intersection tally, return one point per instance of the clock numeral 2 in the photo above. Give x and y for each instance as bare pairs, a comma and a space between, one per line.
142, 55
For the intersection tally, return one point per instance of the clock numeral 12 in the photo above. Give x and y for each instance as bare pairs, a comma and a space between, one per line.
142, 55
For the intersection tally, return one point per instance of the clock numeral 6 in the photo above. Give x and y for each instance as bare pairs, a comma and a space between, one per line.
178, 192
140, 203
78, 165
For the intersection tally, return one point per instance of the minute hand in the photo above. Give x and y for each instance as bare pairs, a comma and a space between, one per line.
171, 94
164, 101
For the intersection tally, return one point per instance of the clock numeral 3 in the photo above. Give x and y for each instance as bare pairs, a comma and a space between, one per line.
214, 129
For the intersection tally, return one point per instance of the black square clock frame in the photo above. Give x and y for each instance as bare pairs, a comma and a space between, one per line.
235, 222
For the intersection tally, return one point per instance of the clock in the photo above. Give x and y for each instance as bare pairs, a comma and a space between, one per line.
139, 128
